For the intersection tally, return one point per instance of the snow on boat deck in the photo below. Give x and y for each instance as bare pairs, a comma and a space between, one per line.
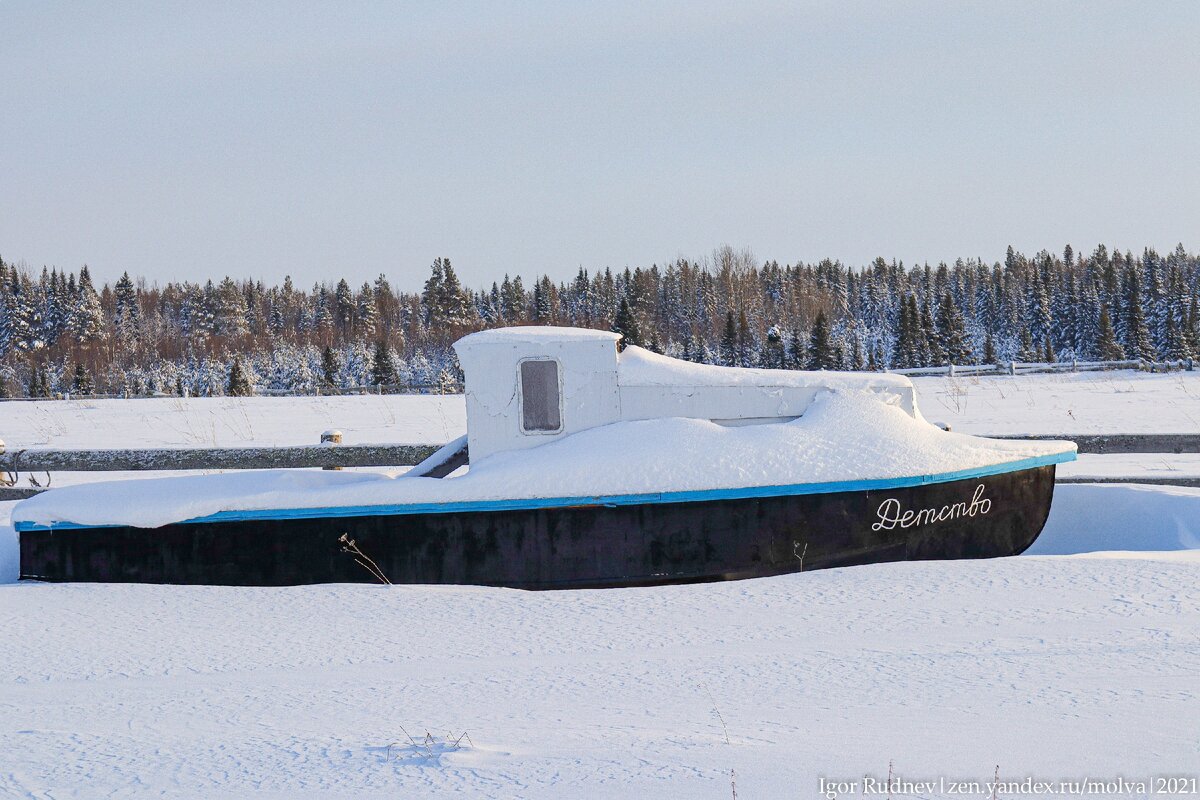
846, 436
640, 367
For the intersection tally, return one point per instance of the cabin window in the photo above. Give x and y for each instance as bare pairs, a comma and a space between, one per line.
541, 397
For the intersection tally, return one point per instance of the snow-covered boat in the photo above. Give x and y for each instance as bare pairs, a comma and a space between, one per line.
588, 467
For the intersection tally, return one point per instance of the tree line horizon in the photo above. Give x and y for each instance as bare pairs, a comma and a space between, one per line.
59, 333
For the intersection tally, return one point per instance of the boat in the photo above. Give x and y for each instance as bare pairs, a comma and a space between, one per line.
585, 465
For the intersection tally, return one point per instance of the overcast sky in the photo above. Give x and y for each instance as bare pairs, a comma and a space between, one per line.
259, 139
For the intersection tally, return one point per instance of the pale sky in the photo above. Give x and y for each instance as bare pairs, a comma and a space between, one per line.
192, 140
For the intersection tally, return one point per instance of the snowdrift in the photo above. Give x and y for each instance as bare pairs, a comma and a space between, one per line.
1089, 518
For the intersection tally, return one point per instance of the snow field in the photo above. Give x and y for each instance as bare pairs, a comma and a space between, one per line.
1122, 401
1045, 666
230, 421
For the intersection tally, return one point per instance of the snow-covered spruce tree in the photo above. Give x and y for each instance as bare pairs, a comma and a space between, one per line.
797, 351
87, 321
454, 301
932, 353
626, 324
821, 353
1137, 334
322, 314
230, 313
747, 342
343, 308
444, 302
1191, 329
383, 368
7, 313
952, 333
1154, 300
1066, 316
367, 314
543, 301
1027, 352
19, 334
81, 382
1039, 314
254, 297
857, 360
45, 383
358, 364
1087, 321
1107, 346
55, 307
912, 348
686, 350
728, 347
239, 383
329, 368
989, 350
127, 315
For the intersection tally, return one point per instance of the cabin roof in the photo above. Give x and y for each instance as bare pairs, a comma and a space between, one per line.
528, 334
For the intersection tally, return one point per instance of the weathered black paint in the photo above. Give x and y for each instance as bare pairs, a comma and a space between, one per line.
559, 548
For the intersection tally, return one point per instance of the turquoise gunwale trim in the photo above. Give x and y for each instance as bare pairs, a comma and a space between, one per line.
532, 503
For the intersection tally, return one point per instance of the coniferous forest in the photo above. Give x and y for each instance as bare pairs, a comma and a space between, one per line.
61, 333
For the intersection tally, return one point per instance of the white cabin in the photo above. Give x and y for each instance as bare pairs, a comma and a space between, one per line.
530, 385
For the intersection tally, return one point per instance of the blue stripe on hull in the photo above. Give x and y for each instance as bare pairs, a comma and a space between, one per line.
529, 503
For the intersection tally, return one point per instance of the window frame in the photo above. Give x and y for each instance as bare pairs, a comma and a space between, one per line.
558, 372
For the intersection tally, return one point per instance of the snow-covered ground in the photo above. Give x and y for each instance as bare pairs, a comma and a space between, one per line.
1124, 401
1055, 668
230, 421
1158, 466
1050, 666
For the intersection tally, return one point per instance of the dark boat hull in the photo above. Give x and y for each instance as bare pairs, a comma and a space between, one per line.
570, 547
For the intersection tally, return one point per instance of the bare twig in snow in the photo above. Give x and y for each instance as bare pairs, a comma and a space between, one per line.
362, 559
799, 555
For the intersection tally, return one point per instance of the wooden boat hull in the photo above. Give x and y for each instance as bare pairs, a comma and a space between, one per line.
589, 545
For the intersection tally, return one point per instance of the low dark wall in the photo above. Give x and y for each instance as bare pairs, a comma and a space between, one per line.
167, 458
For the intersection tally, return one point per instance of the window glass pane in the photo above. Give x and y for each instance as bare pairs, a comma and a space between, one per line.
539, 396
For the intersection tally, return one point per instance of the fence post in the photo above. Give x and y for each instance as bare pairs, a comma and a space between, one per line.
332, 439
1012, 367
950, 370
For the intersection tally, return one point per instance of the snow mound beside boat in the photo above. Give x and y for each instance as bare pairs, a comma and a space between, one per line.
845, 435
